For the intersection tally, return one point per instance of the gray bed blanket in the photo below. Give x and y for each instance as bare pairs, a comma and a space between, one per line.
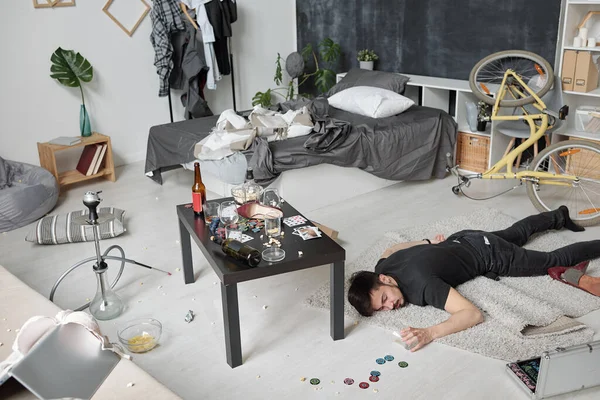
408, 146
170, 145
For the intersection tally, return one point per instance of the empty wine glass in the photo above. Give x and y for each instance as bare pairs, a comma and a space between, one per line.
270, 197
229, 214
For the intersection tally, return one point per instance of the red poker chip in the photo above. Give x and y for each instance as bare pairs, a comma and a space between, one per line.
364, 385
349, 381
374, 378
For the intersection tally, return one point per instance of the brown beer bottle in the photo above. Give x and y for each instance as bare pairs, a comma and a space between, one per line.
198, 192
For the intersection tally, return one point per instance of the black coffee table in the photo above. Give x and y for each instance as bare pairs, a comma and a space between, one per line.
316, 252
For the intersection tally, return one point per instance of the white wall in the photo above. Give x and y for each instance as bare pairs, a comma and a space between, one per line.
122, 99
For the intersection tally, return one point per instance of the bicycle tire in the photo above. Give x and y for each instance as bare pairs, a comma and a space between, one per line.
505, 54
567, 195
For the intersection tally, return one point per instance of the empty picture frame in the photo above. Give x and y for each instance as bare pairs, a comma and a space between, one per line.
44, 3
116, 21
52, 3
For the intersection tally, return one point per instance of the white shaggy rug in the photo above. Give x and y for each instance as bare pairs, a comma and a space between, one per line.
513, 307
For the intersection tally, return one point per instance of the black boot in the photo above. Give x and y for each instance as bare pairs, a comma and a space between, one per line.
568, 223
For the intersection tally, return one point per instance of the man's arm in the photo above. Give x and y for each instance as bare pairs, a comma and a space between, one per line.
407, 245
464, 315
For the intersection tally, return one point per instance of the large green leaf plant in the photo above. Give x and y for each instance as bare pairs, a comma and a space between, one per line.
323, 75
71, 69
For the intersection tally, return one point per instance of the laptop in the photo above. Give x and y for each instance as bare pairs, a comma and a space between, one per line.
68, 362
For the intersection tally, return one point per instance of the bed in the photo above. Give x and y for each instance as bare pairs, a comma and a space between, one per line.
411, 145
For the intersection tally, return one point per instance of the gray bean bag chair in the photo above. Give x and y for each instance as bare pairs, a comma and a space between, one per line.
27, 193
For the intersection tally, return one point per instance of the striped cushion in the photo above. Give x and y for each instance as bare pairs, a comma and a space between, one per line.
58, 229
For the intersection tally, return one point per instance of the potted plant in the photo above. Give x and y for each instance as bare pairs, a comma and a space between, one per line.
483, 115
71, 69
367, 58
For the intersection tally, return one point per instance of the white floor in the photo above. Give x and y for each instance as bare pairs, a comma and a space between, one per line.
285, 341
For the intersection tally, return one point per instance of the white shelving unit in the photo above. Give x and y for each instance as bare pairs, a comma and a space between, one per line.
573, 13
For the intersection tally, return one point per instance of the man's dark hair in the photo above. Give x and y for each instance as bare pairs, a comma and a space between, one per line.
359, 294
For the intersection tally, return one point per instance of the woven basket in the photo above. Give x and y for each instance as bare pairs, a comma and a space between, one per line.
472, 152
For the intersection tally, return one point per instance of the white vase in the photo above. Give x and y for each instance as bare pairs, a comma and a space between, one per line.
366, 64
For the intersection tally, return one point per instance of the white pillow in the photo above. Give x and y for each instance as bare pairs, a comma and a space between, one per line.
370, 101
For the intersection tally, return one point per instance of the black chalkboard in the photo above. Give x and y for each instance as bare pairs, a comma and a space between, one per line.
443, 38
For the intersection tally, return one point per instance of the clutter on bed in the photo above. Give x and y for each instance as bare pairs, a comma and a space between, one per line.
27, 193
370, 101
362, 77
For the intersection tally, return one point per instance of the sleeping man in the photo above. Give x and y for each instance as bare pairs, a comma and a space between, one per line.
426, 272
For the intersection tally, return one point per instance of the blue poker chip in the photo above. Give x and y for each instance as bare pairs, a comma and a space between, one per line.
389, 358
380, 361
375, 373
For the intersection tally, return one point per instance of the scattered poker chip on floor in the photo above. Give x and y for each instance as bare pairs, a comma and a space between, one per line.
363, 385
403, 364
389, 358
374, 378
380, 361
375, 373
349, 381
315, 381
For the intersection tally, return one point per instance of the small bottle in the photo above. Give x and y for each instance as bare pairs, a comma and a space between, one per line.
252, 190
239, 251
198, 192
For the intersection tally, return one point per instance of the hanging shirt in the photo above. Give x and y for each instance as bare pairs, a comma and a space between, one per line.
166, 20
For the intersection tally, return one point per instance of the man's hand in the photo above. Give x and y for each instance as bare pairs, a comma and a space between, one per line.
438, 239
420, 336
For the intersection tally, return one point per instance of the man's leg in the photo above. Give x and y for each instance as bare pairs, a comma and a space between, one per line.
511, 260
522, 230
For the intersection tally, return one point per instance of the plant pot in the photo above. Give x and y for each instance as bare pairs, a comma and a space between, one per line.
366, 64
481, 126
84, 122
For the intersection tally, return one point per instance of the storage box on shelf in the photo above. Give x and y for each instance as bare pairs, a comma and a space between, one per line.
472, 152
48, 152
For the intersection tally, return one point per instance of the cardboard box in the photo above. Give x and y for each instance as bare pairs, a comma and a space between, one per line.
568, 69
333, 234
586, 73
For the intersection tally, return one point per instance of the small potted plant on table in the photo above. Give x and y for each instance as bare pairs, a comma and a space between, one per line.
484, 112
367, 58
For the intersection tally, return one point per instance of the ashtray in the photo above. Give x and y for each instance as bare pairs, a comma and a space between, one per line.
273, 254
140, 335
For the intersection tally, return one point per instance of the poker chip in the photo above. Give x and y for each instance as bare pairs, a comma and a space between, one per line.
389, 358
315, 381
349, 381
403, 364
380, 361
374, 378
375, 373
363, 385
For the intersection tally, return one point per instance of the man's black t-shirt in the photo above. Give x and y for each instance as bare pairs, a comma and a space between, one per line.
425, 273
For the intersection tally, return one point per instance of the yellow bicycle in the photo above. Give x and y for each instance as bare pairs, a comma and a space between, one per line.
567, 172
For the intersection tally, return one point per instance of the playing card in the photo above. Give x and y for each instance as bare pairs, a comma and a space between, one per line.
294, 221
309, 232
245, 238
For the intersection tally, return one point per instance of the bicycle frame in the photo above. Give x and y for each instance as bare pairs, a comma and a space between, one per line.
536, 132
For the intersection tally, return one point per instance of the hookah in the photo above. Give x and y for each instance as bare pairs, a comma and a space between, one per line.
106, 304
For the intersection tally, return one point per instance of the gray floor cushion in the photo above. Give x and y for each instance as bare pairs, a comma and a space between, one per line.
27, 192
58, 229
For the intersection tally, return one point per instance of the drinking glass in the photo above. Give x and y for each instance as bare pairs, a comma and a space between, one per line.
273, 230
270, 197
229, 214
211, 210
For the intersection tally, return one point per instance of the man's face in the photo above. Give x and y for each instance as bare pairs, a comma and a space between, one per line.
388, 296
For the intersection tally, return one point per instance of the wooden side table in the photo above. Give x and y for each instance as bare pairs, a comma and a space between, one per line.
48, 151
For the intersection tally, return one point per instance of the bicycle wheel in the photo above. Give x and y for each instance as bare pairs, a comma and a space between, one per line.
570, 157
487, 75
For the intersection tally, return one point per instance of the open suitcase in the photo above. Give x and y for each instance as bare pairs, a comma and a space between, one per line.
558, 371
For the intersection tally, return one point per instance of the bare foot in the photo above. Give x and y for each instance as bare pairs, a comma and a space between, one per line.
590, 284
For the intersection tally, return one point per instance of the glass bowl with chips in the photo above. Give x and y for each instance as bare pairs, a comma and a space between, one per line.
140, 335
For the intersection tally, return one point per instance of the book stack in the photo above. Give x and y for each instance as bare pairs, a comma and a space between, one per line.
91, 158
